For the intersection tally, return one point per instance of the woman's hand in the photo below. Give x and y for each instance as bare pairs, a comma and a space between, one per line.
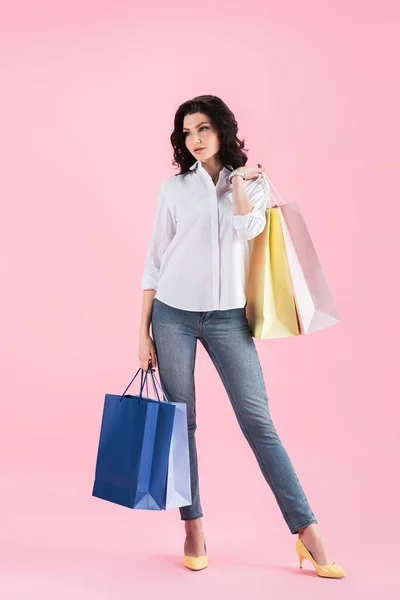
251, 172
147, 352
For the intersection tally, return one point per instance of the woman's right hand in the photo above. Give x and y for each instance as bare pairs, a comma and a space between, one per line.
147, 352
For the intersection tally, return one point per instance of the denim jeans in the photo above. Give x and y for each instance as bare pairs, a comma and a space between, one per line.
226, 336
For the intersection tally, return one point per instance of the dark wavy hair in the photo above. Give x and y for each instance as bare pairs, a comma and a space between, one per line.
223, 120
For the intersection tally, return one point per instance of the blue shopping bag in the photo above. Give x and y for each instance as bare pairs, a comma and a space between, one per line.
179, 480
134, 447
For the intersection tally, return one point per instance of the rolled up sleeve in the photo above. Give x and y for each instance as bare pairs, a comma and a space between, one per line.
251, 224
164, 229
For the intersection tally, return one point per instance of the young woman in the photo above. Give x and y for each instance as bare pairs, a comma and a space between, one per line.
194, 284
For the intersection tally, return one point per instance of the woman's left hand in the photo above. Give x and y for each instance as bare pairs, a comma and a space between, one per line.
251, 172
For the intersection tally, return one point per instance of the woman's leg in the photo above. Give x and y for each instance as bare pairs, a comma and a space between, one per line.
175, 341
227, 338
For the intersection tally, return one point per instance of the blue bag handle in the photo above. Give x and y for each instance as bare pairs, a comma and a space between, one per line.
147, 388
149, 369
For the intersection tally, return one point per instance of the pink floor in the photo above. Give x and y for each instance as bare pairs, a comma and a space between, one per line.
58, 542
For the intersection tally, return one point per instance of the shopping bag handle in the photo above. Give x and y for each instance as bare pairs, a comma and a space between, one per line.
154, 378
157, 382
278, 200
149, 370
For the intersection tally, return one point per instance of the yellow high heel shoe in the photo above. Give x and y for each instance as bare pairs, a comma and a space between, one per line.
196, 563
333, 570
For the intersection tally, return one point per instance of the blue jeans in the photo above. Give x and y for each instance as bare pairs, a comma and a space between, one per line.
226, 336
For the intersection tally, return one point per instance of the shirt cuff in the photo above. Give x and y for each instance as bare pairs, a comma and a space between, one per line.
241, 221
148, 283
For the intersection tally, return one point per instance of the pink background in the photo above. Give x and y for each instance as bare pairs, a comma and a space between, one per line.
89, 90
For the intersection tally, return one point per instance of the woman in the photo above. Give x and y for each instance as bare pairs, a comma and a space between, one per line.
194, 284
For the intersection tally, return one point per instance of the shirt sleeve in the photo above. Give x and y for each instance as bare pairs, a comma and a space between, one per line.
164, 229
251, 224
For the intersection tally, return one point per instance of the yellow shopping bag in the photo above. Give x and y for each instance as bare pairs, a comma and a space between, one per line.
271, 308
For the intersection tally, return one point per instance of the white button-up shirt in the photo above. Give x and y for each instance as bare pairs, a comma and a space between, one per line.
199, 251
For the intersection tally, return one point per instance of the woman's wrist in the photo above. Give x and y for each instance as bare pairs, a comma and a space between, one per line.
144, 330
236, 174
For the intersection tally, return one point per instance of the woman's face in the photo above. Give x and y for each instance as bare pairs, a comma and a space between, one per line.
199, 132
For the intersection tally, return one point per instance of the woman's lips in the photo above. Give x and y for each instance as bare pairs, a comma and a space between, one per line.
199, 150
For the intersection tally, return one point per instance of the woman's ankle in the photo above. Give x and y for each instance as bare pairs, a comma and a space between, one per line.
193, 525
312, 528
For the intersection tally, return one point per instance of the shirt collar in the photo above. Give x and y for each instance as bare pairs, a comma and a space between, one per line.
198, 164
194, 166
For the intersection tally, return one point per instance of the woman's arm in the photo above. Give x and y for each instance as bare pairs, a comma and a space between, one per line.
249, 209
147, 303
147, 349
163, 231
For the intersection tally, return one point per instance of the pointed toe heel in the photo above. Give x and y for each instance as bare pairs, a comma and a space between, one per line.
333, 571
196, 563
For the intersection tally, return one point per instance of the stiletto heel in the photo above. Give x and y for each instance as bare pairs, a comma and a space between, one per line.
333, 570
196, 563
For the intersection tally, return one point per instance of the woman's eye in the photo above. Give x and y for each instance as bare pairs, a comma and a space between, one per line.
202, 127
